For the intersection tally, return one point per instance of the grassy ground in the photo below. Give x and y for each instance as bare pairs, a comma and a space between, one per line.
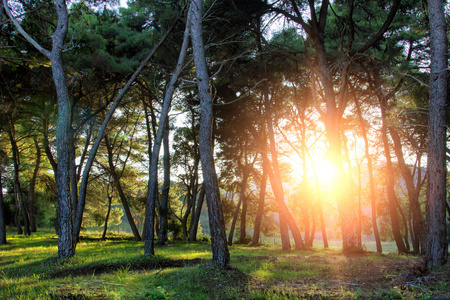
117, 269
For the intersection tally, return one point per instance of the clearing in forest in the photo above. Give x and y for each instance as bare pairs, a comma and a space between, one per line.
117, 269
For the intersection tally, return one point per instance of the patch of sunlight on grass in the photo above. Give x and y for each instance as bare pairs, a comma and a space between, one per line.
185, 251
26, 287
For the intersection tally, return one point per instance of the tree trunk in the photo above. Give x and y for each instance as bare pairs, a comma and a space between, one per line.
413, 195
17, 186
164, 202
66, 245
31, 188
2, 212
437, 247
17, 213
260, 210
73, 173
90, 160
392, 199
123, 198
153, 181
233, 222
194, 223
243, 199
371, 179
221, 255
105, 227
191, 197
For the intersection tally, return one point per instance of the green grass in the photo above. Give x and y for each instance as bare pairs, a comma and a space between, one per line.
117, 269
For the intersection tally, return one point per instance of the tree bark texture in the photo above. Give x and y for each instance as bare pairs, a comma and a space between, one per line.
437, 248
66, 245
66, 240
221, 255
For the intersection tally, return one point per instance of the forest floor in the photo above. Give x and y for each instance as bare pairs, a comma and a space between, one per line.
117, 269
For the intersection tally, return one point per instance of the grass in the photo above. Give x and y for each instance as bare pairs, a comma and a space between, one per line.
117, 269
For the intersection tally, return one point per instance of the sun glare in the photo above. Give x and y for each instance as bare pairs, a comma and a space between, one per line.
319, 171
326, 171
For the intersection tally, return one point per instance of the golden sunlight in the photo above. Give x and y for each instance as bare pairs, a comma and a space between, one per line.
326, 171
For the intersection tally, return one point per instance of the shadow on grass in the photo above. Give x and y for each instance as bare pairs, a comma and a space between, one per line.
141, 264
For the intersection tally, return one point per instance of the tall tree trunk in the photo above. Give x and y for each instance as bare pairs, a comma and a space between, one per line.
2, 211
373, 198
260, 210
118, 185
164, 202
243, 227
149, 230
233, 222
437, 248
17, 185
413, 195
191, 197
221, 255
32, 187
286, 219
194, 223
66, 242
392, 198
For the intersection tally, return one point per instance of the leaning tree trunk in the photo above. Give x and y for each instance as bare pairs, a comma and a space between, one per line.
392, 199
90, 160
149, 230
286, 219
118, 185
221, 255
437, 248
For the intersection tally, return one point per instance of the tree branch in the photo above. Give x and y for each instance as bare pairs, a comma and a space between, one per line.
383, 28
23, 32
